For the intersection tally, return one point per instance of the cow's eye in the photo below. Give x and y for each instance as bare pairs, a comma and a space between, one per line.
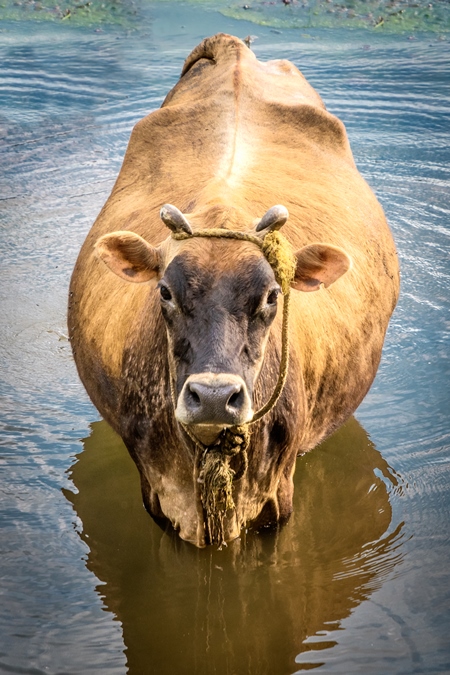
165, 293
272, 297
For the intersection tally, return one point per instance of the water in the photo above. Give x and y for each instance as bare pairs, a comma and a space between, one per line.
359, 579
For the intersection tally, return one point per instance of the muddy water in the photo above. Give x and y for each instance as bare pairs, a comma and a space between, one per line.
359, 579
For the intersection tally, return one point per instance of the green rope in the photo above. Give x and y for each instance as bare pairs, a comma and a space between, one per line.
215, 476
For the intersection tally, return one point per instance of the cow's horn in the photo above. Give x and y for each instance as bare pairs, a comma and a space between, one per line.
174, 219
273, 219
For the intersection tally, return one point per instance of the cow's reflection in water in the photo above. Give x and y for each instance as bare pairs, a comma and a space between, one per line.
249, 607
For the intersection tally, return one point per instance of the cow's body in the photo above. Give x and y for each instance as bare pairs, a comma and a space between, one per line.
233, 138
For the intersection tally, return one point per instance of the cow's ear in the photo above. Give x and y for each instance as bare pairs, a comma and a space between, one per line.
128, 255
319, 264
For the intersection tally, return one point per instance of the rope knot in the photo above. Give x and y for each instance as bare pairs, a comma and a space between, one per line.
280, 257
235, 440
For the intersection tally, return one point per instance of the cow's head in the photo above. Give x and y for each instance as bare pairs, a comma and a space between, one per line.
218, 298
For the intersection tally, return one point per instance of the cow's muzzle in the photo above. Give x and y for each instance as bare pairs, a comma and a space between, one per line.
211, 401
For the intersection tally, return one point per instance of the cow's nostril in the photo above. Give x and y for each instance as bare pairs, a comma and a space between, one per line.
194, 397
233, 401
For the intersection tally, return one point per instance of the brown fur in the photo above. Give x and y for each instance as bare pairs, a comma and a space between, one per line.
233, 138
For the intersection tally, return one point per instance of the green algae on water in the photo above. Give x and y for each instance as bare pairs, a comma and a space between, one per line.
393, 16
121, 13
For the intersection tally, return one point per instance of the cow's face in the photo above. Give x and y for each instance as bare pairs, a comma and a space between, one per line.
218, 298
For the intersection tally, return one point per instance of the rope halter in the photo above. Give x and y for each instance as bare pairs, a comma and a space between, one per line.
215, 476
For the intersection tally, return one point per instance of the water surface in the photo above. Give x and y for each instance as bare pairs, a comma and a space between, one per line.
358, 581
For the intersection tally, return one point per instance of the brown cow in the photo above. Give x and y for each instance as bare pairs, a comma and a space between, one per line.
194, 346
